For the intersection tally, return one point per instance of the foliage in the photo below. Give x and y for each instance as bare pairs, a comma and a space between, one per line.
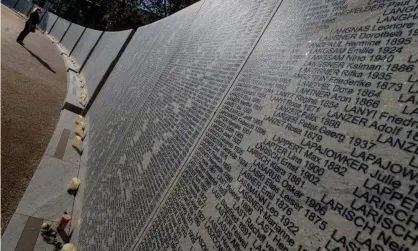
50, 236
164, 8
126, 14
119, 14
113, 15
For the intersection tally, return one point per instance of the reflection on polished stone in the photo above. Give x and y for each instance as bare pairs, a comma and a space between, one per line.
259, 125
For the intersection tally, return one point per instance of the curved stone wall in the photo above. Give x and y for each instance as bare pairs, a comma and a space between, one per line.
71, 37
24, 6
141, 64
59, 29
47, 21
10, 3
253, 125
85, 45
103, 54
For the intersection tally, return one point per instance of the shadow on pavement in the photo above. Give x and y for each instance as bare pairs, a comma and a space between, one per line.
40, 60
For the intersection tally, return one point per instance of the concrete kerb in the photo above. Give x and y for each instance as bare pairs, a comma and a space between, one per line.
78, 200
74, 100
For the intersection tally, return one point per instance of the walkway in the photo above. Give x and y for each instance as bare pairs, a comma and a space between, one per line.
33, 86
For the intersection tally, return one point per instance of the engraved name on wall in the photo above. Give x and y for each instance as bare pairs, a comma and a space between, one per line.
315, 147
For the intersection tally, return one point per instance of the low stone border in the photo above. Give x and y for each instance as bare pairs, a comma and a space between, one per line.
46, 199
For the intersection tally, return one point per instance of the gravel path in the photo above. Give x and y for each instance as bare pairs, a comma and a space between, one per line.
33, 86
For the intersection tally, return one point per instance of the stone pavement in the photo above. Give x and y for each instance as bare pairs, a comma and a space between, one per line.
33, 86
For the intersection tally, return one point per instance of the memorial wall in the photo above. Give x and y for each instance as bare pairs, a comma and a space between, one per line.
105, 52
313, 148
71, 37
85, 45
9, 3
164, 125
259, 130
130, 83
47, 21
24, 6
254, 125
59, 29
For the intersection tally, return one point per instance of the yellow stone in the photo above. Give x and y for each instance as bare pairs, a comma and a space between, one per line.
79, 119
68, 247
79, 131
78, 144
83, 98
74, 184
82, 124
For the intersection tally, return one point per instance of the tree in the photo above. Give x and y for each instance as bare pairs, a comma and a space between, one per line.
127, 14
114, 15
119, 15
163, 8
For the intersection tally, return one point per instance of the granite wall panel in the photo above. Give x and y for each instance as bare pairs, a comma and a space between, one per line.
47, 21
299, 152
86, 43
168, 121
71, 37
59, 29
254, 125
132, 80
103, 55
10, 3
24, 6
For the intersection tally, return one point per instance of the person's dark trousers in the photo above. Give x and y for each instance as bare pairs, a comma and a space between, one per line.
23, 34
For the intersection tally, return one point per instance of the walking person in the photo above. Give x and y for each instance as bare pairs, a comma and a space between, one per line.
30, 24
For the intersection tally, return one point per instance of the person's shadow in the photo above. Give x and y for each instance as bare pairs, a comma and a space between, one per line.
40, 60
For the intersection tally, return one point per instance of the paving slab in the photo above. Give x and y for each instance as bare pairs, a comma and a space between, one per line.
33, 89
46, 196
29, 235
14, 230
60, 143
